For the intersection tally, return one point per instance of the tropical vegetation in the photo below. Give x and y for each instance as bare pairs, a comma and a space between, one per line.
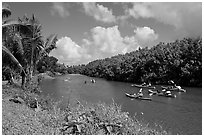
180, 61
23, 45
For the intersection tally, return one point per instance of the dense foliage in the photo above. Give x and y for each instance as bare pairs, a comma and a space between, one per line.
23, 46
180, 61
50, 63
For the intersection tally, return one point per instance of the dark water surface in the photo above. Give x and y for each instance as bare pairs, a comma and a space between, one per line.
182, 115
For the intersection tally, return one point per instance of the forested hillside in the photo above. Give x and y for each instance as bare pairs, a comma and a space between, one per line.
180, 61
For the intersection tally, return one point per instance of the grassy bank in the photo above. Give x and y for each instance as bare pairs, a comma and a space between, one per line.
28, 112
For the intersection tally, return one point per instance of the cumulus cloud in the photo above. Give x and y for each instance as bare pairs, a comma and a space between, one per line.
69, 52
106, 42
102, 43
162, 12
185, 17
99, 12
145, 34
60, 9
140, 10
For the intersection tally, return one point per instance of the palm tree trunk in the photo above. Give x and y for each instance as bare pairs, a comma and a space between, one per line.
29, 76
30, 72
11, 79
32, 56
23, 75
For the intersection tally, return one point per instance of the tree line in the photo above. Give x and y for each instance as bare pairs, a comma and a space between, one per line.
180, 61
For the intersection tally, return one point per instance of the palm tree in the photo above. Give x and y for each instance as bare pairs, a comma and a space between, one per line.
32, 41
23, 45
34, 45
8, 39
6, 12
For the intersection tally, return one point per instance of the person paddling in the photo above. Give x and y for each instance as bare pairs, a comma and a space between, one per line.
149, 85
168, 93
143, 84
172, 82
140, 94
175, 86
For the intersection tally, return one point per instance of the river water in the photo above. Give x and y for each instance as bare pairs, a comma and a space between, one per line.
181, 115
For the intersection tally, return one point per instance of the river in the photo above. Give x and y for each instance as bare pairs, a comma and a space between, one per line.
181, 115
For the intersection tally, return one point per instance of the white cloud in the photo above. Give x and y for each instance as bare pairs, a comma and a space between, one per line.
101, 43
69, 52
99, 12
60, 8
163, 12
106, 42
140, 10
145, 34
185, 17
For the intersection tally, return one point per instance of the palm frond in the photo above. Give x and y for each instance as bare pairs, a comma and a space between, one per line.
19, 45
50, 44
34, 20
6, 12
10, 22
11, 56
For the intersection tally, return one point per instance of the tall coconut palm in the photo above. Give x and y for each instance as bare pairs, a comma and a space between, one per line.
8, 39
32, 41
34, 45
25, 37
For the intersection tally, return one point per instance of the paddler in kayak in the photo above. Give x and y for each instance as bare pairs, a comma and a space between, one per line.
171, 82
93, 81
144, 84
175, 86
140, 94
167, 93
149, 84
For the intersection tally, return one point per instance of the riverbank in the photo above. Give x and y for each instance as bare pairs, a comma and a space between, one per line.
28, 113
45, 76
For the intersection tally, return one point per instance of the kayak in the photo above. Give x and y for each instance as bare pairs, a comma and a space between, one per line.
142, 86
131, 96
169, 88
173, 89
152, 92
136, 97
169, 95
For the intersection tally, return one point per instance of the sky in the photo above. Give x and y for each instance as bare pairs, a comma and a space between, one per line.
90, 31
